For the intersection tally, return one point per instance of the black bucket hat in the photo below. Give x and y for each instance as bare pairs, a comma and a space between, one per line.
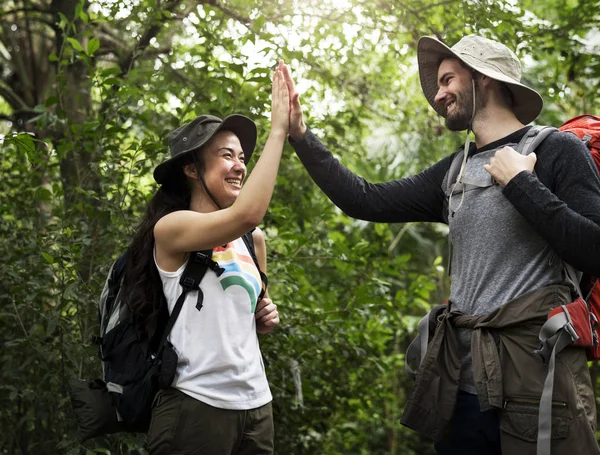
193, 135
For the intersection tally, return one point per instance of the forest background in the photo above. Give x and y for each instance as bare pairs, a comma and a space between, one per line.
89, 91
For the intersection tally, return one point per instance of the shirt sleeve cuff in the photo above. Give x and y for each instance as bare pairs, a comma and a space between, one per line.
519, 183
302, 141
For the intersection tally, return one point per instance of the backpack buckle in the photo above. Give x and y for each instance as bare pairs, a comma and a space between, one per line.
215, 267
569, 327
204, 259
571, 331
188, 282
201, 258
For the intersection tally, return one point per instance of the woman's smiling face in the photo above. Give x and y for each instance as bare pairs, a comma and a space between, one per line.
224, 167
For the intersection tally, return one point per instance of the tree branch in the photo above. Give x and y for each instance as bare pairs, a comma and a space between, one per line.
32, 9
46, 17
155, 52
242, 19
109, 44
127, 62
109, 31
14, 100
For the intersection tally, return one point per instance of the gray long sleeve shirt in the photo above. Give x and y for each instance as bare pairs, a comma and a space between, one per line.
507, 241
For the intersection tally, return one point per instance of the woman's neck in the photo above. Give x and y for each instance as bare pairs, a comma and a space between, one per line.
202, 203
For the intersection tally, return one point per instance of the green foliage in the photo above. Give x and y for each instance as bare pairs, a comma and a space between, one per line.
88, 94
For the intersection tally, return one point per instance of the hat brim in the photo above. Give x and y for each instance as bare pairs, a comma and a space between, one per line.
241, 126
527, 103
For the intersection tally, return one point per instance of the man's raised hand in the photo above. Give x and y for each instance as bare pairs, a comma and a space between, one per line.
297, 126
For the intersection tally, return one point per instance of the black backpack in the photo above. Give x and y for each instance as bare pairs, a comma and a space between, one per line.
135, 367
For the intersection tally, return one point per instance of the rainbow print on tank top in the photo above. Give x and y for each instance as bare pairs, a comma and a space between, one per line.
239, 271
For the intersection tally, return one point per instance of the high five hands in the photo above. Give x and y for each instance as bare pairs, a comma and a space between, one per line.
297, 126
280, 104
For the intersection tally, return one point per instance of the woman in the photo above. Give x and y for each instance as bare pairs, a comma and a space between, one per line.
219, 402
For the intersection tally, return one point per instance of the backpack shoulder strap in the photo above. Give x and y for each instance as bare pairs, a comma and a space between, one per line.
249, 241
195, 269
528, 143
110, 292
573, 276
533, 138
453, 171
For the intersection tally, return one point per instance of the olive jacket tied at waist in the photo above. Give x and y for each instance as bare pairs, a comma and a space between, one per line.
507, 373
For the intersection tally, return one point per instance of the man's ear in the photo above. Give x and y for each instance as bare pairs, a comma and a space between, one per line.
484, 81
190, 171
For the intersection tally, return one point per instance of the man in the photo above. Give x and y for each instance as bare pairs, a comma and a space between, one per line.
478, 388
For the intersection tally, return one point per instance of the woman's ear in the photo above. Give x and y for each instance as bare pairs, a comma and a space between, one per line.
190, 171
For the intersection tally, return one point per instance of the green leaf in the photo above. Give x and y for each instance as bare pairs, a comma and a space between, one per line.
111, 81
76, 45
93, 46
51, 101
63, 21
44, 194
51, 327
79, 13
26, 146
53, 58
49, 259
70, 291
237, 68
111, 71
258, 23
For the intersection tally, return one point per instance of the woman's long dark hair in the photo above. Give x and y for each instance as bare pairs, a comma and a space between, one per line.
142, 284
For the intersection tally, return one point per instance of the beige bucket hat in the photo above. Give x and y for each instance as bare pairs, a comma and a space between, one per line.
485, 56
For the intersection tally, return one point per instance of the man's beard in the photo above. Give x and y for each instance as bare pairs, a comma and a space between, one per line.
462, 114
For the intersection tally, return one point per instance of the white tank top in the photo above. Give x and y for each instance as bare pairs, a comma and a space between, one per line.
219, 360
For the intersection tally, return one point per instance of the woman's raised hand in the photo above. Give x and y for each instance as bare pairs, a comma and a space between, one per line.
280, 104
297, 126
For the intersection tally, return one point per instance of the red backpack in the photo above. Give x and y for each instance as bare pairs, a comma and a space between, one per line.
580, 319
576, 323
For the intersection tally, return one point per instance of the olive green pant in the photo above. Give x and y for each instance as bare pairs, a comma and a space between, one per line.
182, 425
